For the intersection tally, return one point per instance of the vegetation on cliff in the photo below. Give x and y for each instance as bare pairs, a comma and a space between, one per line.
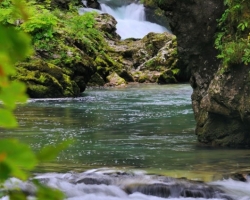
65, 44
233, 37
72, 51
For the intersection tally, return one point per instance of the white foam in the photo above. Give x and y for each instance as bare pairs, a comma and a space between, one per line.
131, 22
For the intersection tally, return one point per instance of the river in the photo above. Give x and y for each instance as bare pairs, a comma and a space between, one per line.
131, 132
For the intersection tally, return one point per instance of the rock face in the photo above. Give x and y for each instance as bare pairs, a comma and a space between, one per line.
62, 66
93, 4
140, 60
220, 99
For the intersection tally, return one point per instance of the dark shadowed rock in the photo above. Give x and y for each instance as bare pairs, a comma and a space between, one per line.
221, 98
93, 4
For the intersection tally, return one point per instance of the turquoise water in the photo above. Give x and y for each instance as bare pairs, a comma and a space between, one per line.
148, 127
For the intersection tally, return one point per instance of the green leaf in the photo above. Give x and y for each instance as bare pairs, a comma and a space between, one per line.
7, 119
13, 93
19, 157
51, 152
5, 171
15, 44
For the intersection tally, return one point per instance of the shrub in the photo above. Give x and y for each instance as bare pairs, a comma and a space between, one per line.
232, 39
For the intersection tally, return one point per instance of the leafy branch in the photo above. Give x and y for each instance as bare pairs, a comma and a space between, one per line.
232, 39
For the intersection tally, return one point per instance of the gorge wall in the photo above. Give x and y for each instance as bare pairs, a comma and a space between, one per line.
221, 98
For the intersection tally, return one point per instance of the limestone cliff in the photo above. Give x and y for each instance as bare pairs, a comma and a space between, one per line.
220, 99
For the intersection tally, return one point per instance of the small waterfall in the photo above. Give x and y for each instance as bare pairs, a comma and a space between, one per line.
131, 12
108, 184
131, 21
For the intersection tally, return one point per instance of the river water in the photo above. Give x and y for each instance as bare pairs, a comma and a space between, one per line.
130, 132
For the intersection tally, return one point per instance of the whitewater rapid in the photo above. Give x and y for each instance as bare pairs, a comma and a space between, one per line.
131, 21
108, 184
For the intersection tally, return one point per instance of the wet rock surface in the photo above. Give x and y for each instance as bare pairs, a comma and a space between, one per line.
153, 185
220, 96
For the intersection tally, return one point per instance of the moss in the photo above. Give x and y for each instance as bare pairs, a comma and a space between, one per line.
100, 62
70, 87
35, 90
115, 80
125, 75
143, 78
175, 71
42, 66
96, 80
64, 55
46, 80
166, 77
155, 65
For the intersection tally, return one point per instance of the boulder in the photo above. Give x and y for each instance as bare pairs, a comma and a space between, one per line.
93, 4
140, 60
115, 80
45, 80
145, 59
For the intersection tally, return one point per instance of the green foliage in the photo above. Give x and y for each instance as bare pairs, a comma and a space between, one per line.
17, 159
175, 71
242, 26
14, 46
41, 27
82, 28
232, 39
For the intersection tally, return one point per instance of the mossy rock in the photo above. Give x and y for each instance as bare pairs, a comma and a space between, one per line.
72, 88
127, 76
100, 61
115, 80
96, 80
154, 42
167, 77
41, 66
45, 80
43, 85
143, 78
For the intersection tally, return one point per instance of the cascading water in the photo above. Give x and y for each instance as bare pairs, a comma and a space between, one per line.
107, 184
131, 21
